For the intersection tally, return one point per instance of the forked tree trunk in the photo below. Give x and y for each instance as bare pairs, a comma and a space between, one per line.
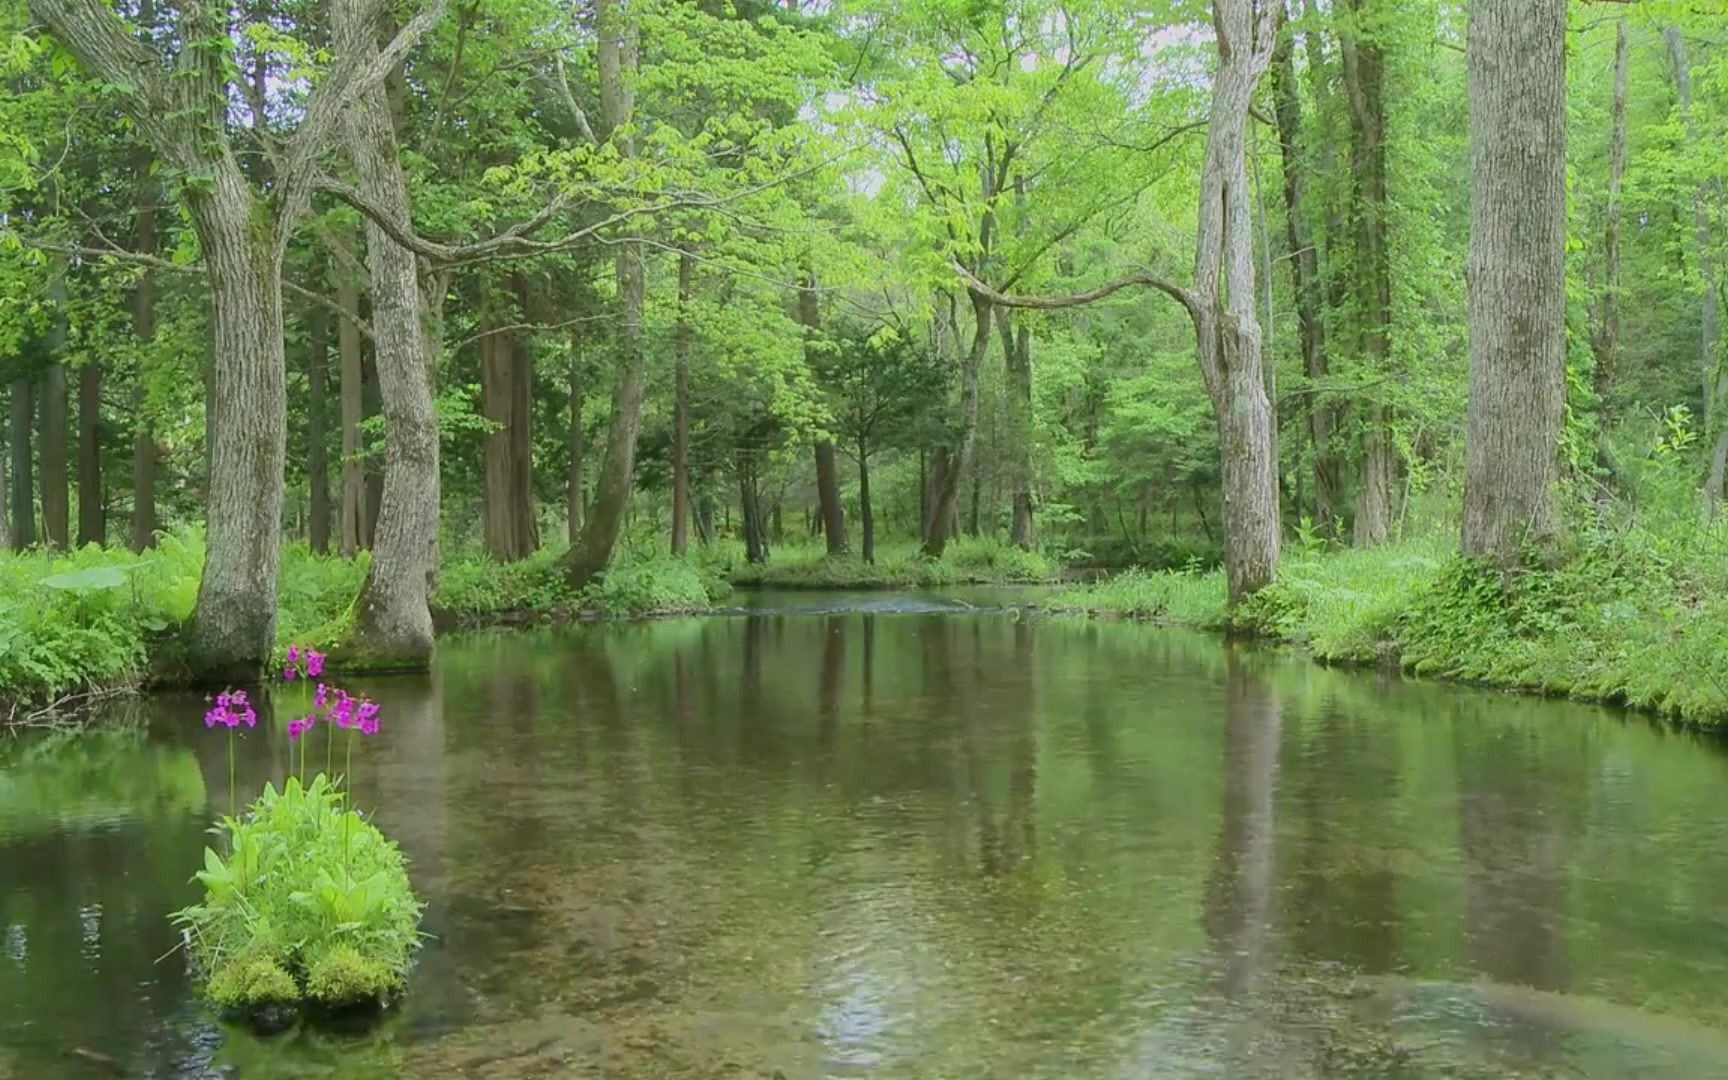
1516, 59
92, 510
352, 376
681, 408
23, 489
393, 618
617, 54
51, 414
317, 434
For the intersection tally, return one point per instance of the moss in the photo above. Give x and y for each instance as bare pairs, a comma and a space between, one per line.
341, 975
251, 983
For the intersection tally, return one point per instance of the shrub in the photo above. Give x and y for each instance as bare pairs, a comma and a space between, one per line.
312, 902
657, 584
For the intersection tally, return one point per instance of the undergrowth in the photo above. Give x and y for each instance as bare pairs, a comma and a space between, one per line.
968, 560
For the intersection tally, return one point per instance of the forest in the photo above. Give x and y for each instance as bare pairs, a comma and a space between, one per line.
1391, 330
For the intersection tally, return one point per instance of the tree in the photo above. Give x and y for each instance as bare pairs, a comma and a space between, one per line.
179, 102
827, 476
1517, 274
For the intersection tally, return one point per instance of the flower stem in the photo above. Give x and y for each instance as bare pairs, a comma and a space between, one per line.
231, 806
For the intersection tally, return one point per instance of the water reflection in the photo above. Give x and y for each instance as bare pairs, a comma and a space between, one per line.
919, 844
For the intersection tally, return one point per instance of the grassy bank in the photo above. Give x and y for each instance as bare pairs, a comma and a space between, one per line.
899, 564
90, 620
1624, 618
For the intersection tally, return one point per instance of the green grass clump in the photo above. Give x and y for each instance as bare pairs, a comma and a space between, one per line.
658, 584
311, 904
474, 588
1185, 597
1343, 604
968, 560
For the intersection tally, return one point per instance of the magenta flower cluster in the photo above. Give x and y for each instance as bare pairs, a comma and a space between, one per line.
329, 703
231, 710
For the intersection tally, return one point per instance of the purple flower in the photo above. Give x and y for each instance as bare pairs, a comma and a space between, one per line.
215, 716
320, 695
300, 726
314, 663
293, 653
249, 718
224, 699
237, 699
367, 718
289, 672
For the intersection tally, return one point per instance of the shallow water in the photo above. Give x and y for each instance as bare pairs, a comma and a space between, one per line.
934, 838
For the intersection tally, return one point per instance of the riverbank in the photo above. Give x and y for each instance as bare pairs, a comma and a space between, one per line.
1622, 620
899, 565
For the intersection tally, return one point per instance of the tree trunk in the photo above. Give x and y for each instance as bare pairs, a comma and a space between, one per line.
352, 375
827, 472
23, 490
866, 515
144, 327
318, 455
750, 511
1605, 342
945, 518
578, 443
617, 55
51, 415
1713, 375
1017, 355
1516, 58
681, 408
1370, 268
1227, 332
372, 406
506, 375
234, 629
1318, 414
393, 617
92, 512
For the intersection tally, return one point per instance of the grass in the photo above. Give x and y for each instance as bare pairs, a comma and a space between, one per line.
900, 564
1625, 617
474, 590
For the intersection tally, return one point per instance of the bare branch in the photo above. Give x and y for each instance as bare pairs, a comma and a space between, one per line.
1176, 292
576, 110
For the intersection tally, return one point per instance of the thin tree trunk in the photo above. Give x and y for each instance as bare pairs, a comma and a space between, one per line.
1371, 273
681, 408
1605, 341
1516, 59
144, 328
1017, 354
1308, 288
945, 517
617, 59
317, 435
1713, 374
393, 617
23, 489
5, 498
372, 487
92, 511
578, 443
507, 497
866, 515
51, 415
827, 471
750, 510
352, 374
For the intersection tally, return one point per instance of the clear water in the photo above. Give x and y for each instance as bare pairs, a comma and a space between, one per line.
931, 839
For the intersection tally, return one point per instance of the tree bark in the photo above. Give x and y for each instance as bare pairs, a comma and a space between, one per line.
866, 515
1713, 374
1371, 270
23, 490
827, 471
1605, 342
1318, 414
393, 617
352, 376
144, 328
92, 511
508, 497
371, 406
945, 518
317, 435
578, 443
51, 415
681, 408
1017, 357
1516, 60
750, 510
617, 56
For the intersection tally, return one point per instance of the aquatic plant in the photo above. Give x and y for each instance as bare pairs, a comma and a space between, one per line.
311, 904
